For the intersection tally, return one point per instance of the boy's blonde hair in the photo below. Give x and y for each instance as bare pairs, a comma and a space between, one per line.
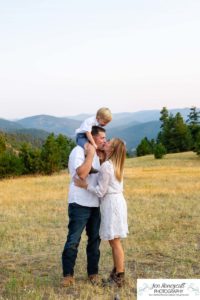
117, 156
105, 114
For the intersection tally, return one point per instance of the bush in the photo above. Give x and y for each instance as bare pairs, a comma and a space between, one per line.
144, 148
30, 158
159, 151
10, 165
197, 144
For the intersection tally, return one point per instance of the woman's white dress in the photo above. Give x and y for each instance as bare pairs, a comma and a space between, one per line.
112, 203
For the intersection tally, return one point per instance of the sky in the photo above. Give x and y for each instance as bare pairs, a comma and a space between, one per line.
66, 57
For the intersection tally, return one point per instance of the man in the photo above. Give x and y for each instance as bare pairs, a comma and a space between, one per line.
83, 210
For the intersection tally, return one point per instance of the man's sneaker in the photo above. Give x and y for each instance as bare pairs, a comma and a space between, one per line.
94, 279
68, 281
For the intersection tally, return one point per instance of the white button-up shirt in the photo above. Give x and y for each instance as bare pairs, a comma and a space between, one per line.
76, 194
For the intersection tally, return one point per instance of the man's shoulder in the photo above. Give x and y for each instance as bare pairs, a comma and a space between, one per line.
78, 150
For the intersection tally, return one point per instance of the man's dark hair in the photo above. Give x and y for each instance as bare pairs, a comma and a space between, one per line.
97, 129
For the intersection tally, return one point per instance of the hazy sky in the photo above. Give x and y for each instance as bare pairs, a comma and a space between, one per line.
66, 57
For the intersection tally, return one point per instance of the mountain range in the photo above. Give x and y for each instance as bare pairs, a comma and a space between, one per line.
130, 126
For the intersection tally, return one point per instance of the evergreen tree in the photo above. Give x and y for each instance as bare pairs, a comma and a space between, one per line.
31, 159
194, 125
159, 151
174, 134
2, 144
164, 117
65, 146
10, 164
144, 147
50, 156
197, 144
194, 116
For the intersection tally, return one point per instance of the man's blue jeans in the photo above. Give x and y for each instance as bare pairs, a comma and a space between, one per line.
81, 217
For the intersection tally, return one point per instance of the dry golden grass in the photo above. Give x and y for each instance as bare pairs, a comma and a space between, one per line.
163, 198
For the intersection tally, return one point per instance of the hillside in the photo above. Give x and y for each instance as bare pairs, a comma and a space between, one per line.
7, 126
51, 124
32, 136
163, 242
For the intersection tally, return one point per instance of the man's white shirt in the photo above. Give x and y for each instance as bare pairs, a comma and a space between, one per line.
79, 195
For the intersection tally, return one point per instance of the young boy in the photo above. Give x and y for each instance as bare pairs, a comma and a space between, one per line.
83, 133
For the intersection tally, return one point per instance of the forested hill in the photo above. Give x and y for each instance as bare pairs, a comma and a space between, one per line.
57, 125
130, 126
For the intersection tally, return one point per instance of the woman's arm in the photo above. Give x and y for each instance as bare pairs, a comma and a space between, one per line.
102, 183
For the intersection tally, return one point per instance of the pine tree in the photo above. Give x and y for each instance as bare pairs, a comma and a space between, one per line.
31, 159
194, 125
174, 134
144, 147
2, 144
50, 155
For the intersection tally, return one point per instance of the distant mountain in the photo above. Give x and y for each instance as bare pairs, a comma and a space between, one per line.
133, 118
132, 135
130, 126
51, 124
7, 126
147, 115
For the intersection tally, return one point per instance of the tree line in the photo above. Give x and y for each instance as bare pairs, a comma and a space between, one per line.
51, 157
176, 135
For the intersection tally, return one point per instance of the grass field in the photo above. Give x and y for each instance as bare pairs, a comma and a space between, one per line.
163, 198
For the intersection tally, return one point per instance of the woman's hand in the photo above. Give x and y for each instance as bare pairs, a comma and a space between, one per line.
80, 183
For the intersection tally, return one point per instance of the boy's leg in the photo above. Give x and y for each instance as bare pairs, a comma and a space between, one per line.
83, 142
93, 252
78, 218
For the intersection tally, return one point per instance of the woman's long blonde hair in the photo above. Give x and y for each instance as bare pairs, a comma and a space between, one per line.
117, 156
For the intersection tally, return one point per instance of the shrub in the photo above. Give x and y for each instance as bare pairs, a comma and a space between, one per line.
159, 151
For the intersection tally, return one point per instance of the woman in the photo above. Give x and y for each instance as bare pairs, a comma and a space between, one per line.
112, 204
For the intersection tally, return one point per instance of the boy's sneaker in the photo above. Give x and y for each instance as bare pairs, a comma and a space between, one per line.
93, 171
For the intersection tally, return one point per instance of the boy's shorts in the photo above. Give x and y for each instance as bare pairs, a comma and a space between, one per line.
81, 139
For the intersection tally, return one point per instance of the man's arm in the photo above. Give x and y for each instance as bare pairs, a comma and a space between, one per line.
85, 168
90, 139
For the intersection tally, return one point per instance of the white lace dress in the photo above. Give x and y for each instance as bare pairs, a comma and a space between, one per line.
112, 203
